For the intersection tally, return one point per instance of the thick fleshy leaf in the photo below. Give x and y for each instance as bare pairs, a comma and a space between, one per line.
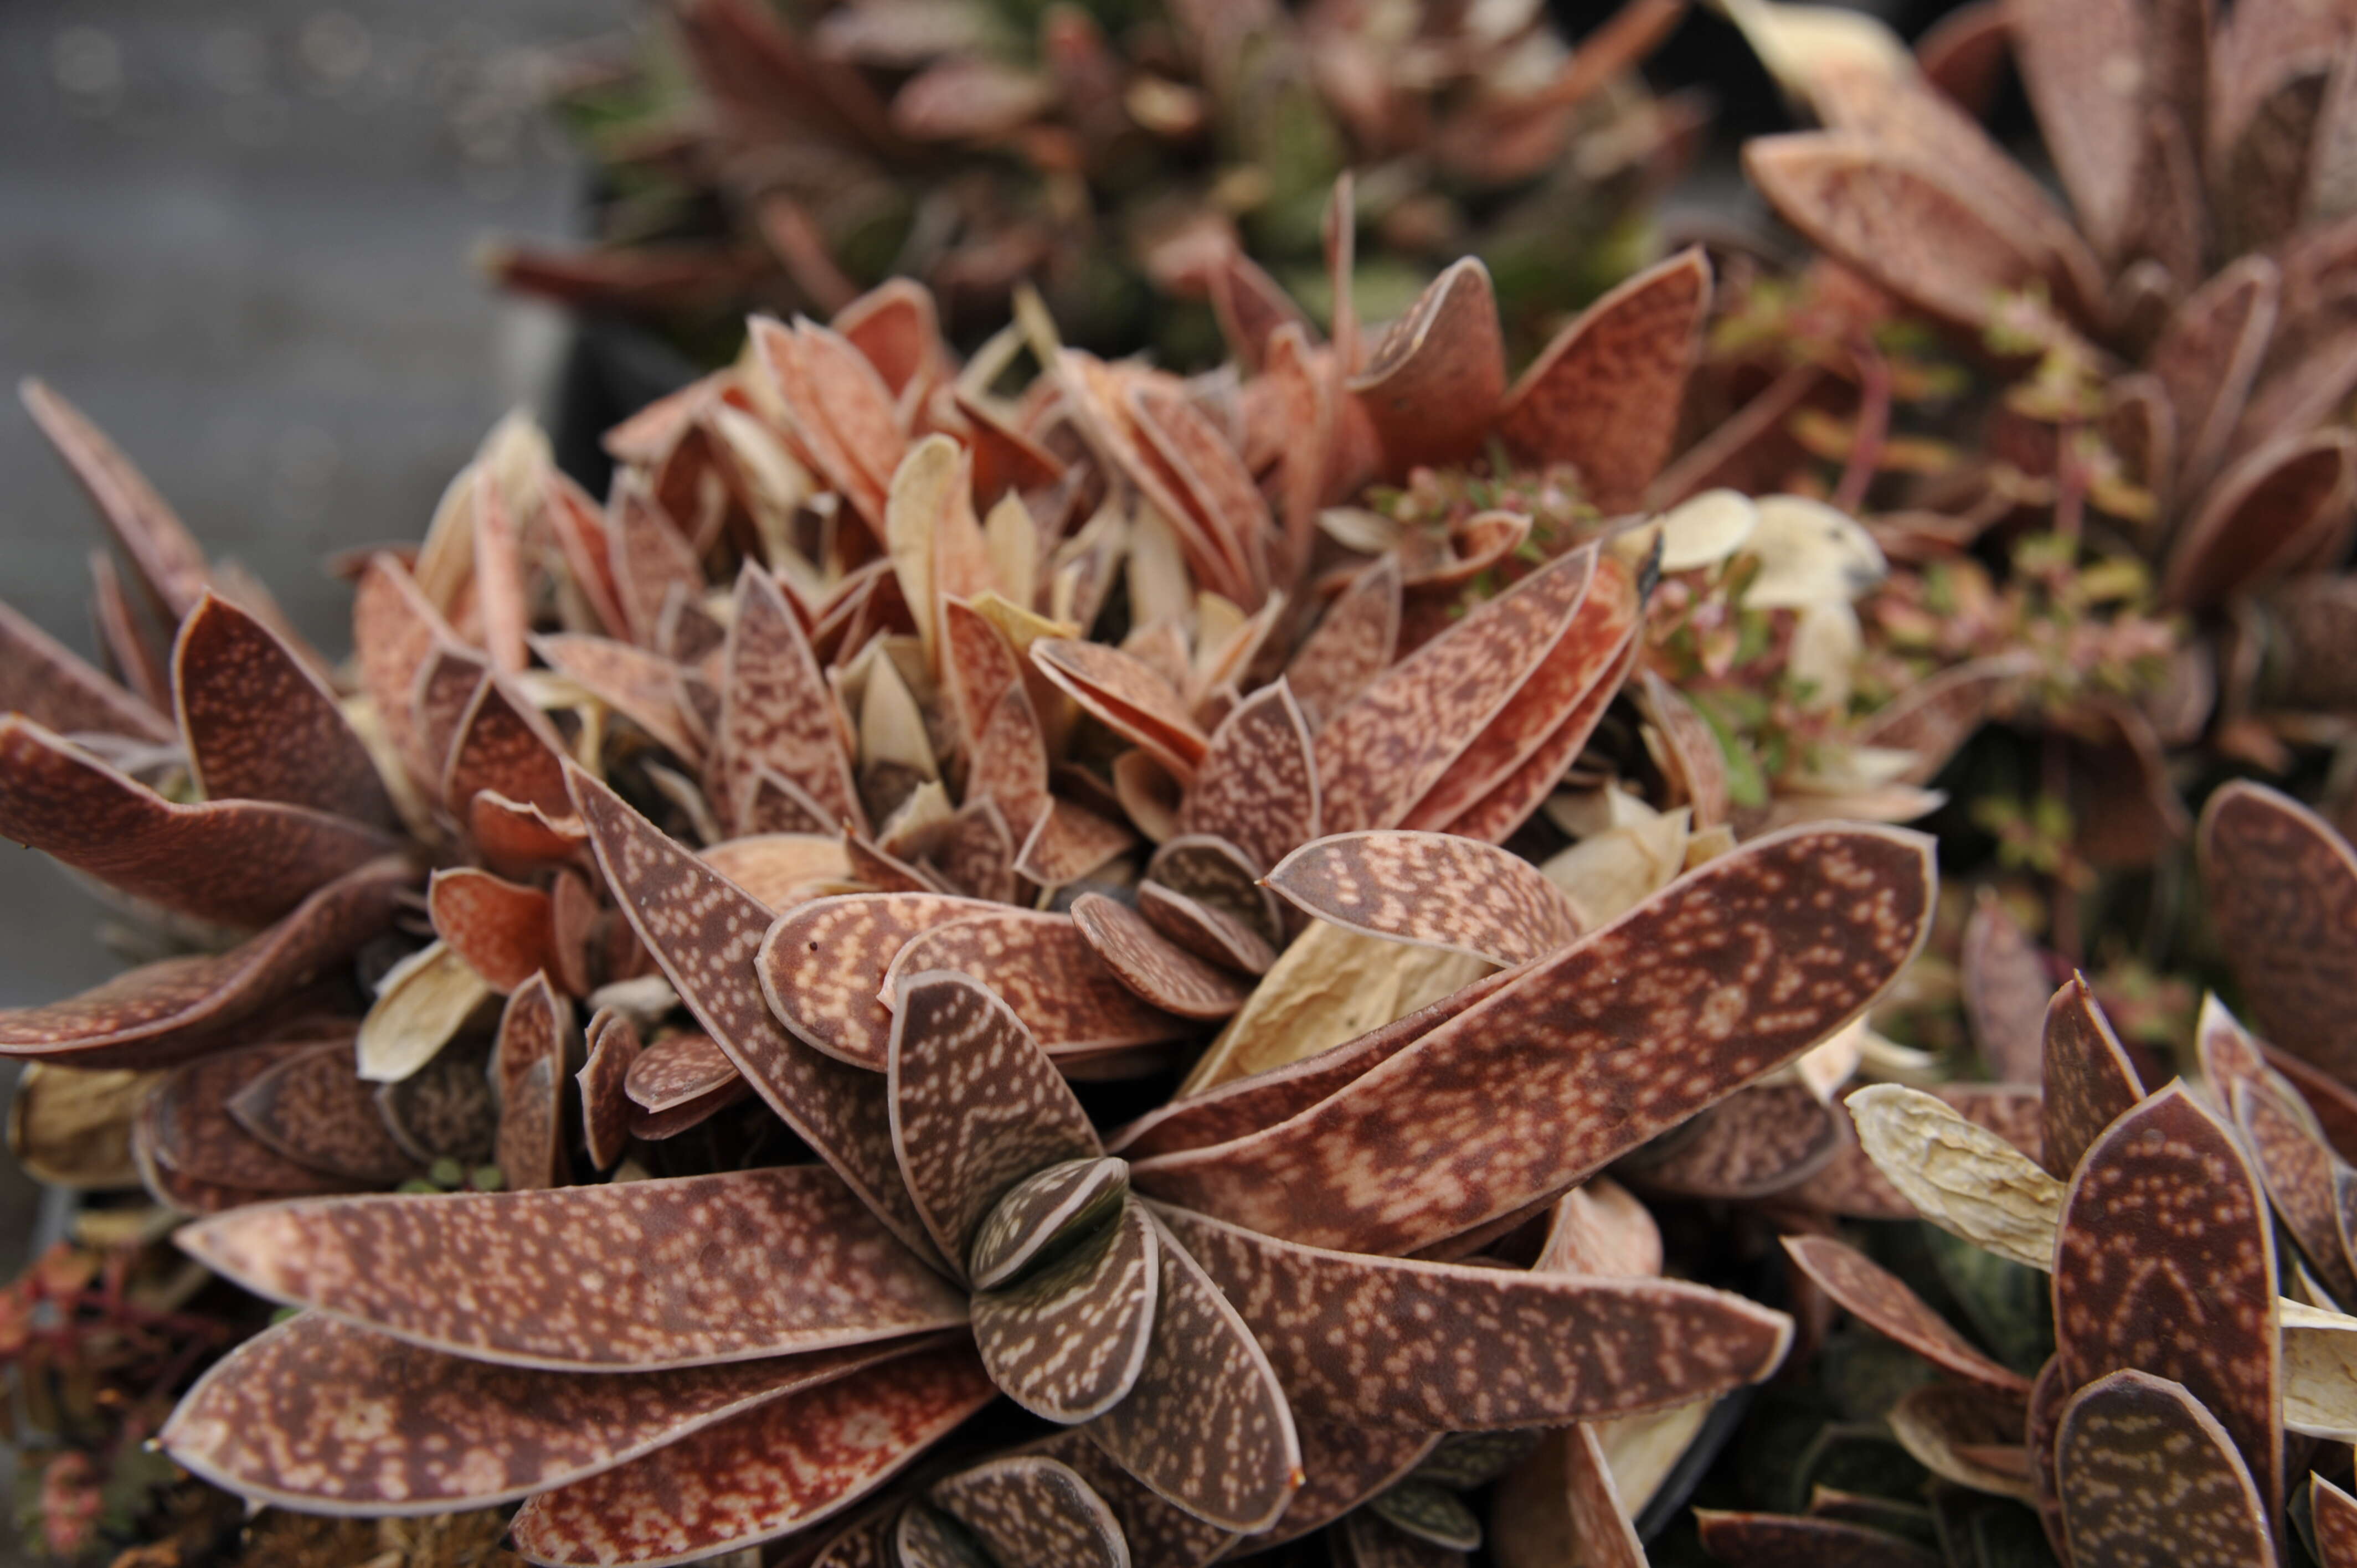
238, 862
1209, 478
2148, 1475
1214, 872
789, 1463
1069, 1341
396, 634
1606, 394
2164, 1262
2283, 899
530, 1147
2006, 989
1433, 889
1392, 1342
126, 636
1693, 757
1162, 974
1207, 1426
704, 932
410, 1431
315, 1108
1257, 786
823, 965
1067, 843
976, 854
1209, 932
193, 1133
776, 710
501, 929
1778, 1541
48, 683
1048, 972
260, 726
1563, 1494
175, 1189
2209, 353
437, 700
1725, 976
781, 870
1882, 1301
445, 1109
169, 562
976, 1105
2299, 1171
642, 687
167, 1011
1352, 644
2335, 1512
1432, 386
505, 748
678, 1069
1599, 1227
604, 1078
1033, 1510
536, 1024
625, 1276
1384, 750
2281, 507
1768, 1138
1042, 1213
1127, 696
2088, 1080
1495, 816
1159, 1535
1343, 1465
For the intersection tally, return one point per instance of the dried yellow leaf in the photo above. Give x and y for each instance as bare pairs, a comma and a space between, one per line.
71, 1127
423, 1000
1959, 1176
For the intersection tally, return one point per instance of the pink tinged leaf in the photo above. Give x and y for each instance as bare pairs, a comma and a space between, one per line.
1694, 761
1067, 843
976, 1105
167, 1011
519, 839
1067, 1341
2164, 1262
501, 929
127, 638
1211, 480
1606, 395
789, 1464
1386, 750
776, 711
1880, 1300
1206, 1426
1599, 1228
1163, 974
531, 1064
439, 697
2093, 123
2283, 509
1354, 643
621, 1277
395, 633
2335, 1512
581, 539
500, 600
1361, 1339
170, 564
1432, 889
2088, 1080
896, 328
1215, 873
823, 965
1124, 694
238, 862
641, 687
704, 932
603, 1080
2299, 1171
1433, 385
445, 1432
1763, 1140
1050, 974
1780, 1541
2283, 893
1496, 815
2209, 353
1565, 1491
505, 747
2006, 988
1030, 1508
1726, 975
650, 560
2148, 1475
193, 1134
1257, 784
1159, 1535
48, 683
315, 1108
1211, 933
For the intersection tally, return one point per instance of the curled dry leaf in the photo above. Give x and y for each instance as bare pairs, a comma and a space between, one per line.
71, 1127
423, 1000
1961, 1177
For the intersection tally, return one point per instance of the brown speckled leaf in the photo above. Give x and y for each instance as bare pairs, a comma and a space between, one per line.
789, 1463
315, 1108
1069, 1341
1209, 478
1599, 1227
2299, 1171
1159, 1535
1780, 1541
1384, 750
501, 929
53, 686
976, 1105
125, 635
1432, 386
2268, 514
180, 1193
395, 634
1369, 1541
505, 747
2088, 1080
261, 727
642, 687
2336, 1524
530, 1064
1257, 786
1207, 1426
193, 1133
402, 1429
654, 1126
1765, 1139
1496, 815
1882, 1301
652, 561
1048, 972
446, 684
976, 855
776, 711
2164, 1262
1343, 1465
1162, 974
1040, 1212
1009, 763
444, 1110
704, 932
516, 839
626, 1276
165, 1012
606, 1107
1968, 1435
1353, 643
1127, 696
2006, 989
882, 872
1035, 1510
240, 863
537, 1022
1694, 761
1209, 933
1724, 976
1214, 872
2282, 888
1433, 889
1067, 843
780, 869
1391, 1342
678, 1069
2209, 352
777, 805
2149, 1479
823, 965
170, 563
1605, 395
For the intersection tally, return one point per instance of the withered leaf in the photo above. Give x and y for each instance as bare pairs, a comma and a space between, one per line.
422, 1000
1961, 1177
71, 1127
1434, 889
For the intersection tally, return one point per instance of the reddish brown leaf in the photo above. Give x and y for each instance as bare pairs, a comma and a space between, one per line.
789, 1463
823, 965
1048, 972
2209, 354
443, 1109
2089, 1082
519, 839
1367, 1541
177, 1191
704, 932
1070, 1340
2283, 506
1162, 974
653, 564
170, 564
2148, 1476
677, 1069
1496, 815
1215, 873
2336, 1524
446, 686
127, 637
778, 712
1067, 843
2006, 988
1777, 1541
1765, 1139
395, 633
1723, 977
1934, 718
1433, 384
1211, 481
167, 1011
315, 1108
1344, 1465
2165, 1264
1599, 1227
239, 862
1433, 889
1694, 760
605, 1108
2299, 1171
505, 747
1126, 696
2283, 893
1257, 784
1159, 1535
976, 855
530, 1063
1355, 641
193, 1133
1605, 395
1030, 1508
1209, 933
1879, 1299
1565, 1491
882, 872
641, 687
501, 929
48, 683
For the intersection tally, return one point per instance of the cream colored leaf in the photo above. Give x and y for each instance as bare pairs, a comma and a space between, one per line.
912, 512
644, 1000
1704, 530
1708, 845
913, 824
1799, 44
71, 1127
421, 1001
891, 725
1826, 643
1959, 1176
1157, 572
1583, 814
1012, 540
1642, 1450
1612, 873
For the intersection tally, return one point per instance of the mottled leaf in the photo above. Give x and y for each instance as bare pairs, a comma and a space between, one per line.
1159, 1535
606, 1107
1563, 1498
48, 683
1215, 872
2277, 508
1433, 889
2283, 899
2299, 1171
2148, 1476
169, 562
505, 748
193, 1133
1353, 643
1048, 972
1881, 1300
1257, 787
823, 964
2006, 989
1067, 843
1126, 696
781, 870
2335, 1512
1162, 974
1068, 1340
1777, 1541
531, 1145
1032, 1509
1495, 816
1762, 1140
501, 929
776, 711
642, 687
2088, 1080
1209, 932
315, 1108
1433, 384
677, 1069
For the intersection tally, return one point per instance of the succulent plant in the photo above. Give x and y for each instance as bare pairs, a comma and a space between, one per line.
1117, 156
